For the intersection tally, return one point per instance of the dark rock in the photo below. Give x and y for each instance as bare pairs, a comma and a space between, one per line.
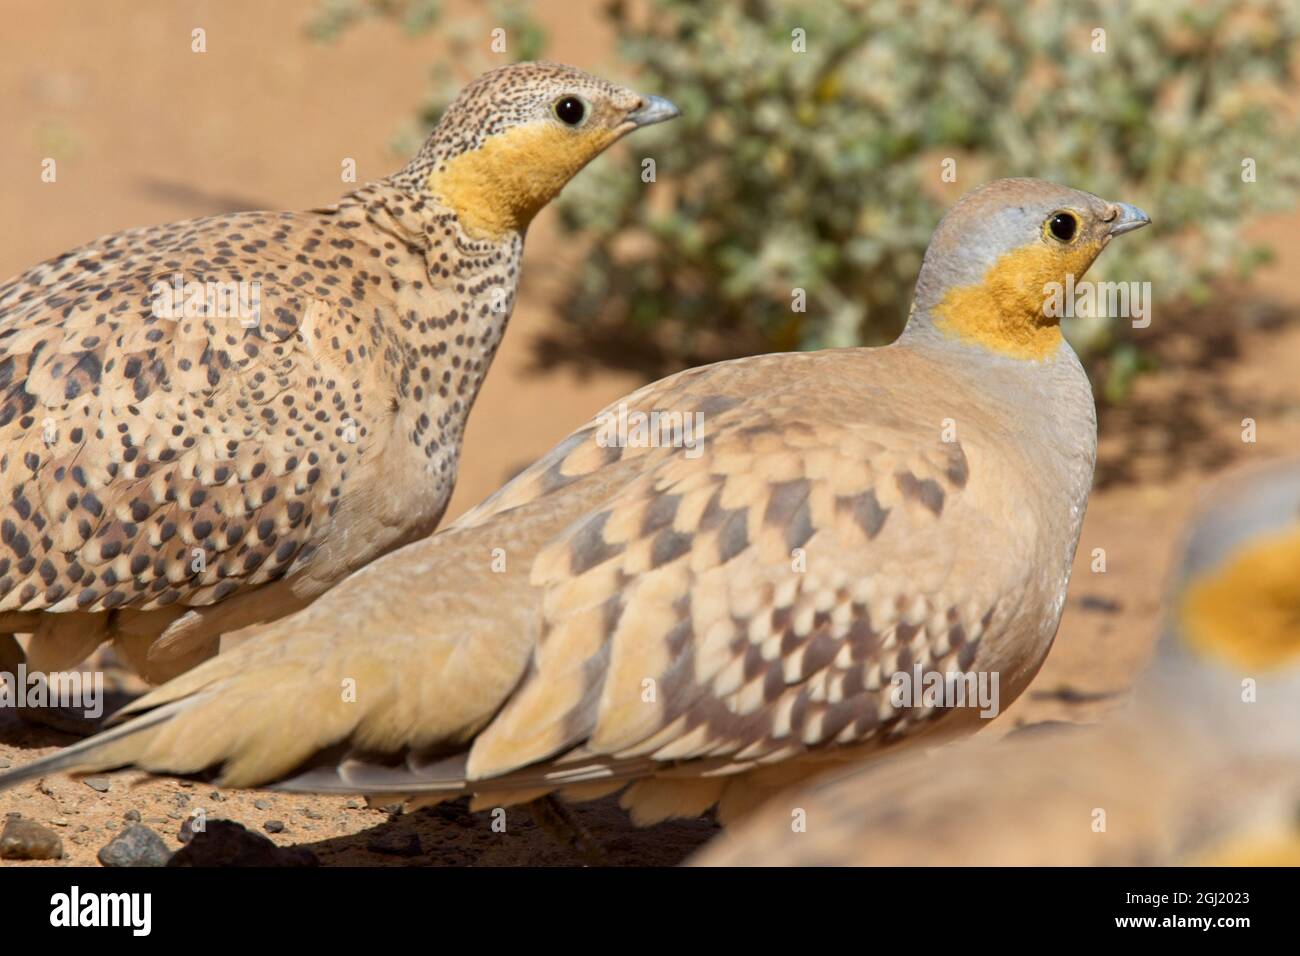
135, 846
273, 826
98, 784
1091, 602
395, 844
225, 843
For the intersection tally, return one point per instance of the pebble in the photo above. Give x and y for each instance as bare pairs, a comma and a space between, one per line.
1092, 602
25, 840
273, 826
135, 846
396, 844
131, 816
5, 763
98, 784
262, 804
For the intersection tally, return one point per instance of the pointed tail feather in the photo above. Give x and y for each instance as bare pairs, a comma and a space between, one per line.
117, 747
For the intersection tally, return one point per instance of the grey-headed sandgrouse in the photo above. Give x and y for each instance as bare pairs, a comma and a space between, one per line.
714, 587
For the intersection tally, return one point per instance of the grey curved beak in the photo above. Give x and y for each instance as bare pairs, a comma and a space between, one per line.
1127, 218
654, 109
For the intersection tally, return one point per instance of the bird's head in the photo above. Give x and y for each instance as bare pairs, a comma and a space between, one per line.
515, 136
995, 255
1228, 660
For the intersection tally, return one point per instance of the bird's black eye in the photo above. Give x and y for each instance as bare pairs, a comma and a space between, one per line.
1063, 226
571, 110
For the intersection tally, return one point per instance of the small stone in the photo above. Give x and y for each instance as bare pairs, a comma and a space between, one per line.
131, 816
273, 826
262, 804
25, 840
135, 846
353, 805
1093, 602
5, 763
310, 814
59, 822
225, 843
216, 796
396, 844
98, 784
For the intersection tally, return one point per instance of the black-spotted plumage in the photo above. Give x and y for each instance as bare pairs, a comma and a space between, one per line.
206, 424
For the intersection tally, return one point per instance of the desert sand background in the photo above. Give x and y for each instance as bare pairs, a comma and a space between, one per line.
149, 132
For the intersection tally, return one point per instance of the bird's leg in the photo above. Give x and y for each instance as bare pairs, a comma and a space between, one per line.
12, 661
561, 826
11, 655
70, 719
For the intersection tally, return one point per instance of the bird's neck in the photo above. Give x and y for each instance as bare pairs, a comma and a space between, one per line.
497, 184
451, 296
1004, 309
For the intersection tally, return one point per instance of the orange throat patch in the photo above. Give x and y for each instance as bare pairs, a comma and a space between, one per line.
1247, 610
1006, 311
499, 187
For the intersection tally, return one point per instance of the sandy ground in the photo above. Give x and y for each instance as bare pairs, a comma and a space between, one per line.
147, 132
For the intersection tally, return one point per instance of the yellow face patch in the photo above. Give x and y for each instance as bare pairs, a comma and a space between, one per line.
1005, 312
1273, 849
500, 186
1248, 609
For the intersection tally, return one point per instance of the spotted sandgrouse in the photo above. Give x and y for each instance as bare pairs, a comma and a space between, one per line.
701, 623
207, 424
1202, 766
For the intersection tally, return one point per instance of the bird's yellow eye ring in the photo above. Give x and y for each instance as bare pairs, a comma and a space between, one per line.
1062, 226
570, 110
